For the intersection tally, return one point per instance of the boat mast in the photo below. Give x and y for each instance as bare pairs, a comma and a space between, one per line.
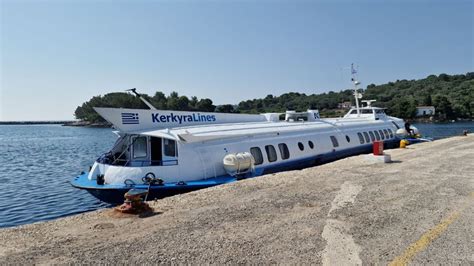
357, 94
134, 91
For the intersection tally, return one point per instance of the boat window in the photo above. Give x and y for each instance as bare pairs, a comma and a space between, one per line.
284, 152
335, 143
377, 136
379, 111
390, 132
372, 136
362, 111
396, 125
271, 153
386, 134
381, 134
301, 146
310, 144
139, 147
366, 111
120, 151
170, 147
361, 138
257, 155
367, 139
348, 139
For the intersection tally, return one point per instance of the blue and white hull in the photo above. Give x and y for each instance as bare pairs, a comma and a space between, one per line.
114, 193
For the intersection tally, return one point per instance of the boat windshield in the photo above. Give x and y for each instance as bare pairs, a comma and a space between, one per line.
139, 150
362, 111
119, 154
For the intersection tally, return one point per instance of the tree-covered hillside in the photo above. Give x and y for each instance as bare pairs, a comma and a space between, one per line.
452, 96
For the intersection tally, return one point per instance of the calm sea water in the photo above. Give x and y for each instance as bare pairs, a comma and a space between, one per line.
444, 130
37, 162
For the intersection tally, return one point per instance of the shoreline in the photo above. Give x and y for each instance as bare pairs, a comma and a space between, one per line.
36, 122
69, 123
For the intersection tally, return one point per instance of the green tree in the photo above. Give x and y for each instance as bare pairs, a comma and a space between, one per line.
428, 101
225, 108
443, 106
205, 105
183, 104
159, 100
172, 101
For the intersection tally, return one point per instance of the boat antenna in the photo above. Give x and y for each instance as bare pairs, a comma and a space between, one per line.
134, 91
357, 94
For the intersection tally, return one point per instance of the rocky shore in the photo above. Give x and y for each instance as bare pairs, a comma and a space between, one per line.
87, 124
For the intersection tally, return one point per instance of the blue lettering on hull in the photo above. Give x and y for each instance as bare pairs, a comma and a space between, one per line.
172, 118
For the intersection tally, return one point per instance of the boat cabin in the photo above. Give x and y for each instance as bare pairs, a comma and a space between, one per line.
374, 113
310, 115
141, 150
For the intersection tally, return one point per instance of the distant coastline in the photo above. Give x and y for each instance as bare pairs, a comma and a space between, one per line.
87, 124
36, 122
71, 123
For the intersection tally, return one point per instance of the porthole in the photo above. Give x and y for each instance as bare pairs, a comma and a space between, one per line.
348, 139
301, 146
310, 144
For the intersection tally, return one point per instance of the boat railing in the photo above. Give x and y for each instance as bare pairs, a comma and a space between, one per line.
109, 159
139, 163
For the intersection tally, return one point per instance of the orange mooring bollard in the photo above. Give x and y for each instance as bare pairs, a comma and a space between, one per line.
134, 203
378, 148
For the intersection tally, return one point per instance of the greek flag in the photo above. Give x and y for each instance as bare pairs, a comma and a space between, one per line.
353, 71
130, 118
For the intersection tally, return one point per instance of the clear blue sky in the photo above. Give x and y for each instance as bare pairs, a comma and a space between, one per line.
57, 54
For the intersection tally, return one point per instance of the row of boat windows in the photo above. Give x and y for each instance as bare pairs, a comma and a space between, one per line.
271, 153
364, 137
368, 111
371, 136
140, 148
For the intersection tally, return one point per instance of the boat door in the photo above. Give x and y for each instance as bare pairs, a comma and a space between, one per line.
156, 150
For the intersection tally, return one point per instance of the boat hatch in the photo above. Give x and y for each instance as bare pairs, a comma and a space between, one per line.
140, 150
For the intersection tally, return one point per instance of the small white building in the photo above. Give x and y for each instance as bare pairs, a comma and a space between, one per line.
425, 111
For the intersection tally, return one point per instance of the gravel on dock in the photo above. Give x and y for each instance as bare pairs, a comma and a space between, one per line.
419, 208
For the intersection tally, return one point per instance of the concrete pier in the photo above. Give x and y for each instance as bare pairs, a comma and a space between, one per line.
418, 209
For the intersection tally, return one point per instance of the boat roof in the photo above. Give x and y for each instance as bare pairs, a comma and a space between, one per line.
223, 131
